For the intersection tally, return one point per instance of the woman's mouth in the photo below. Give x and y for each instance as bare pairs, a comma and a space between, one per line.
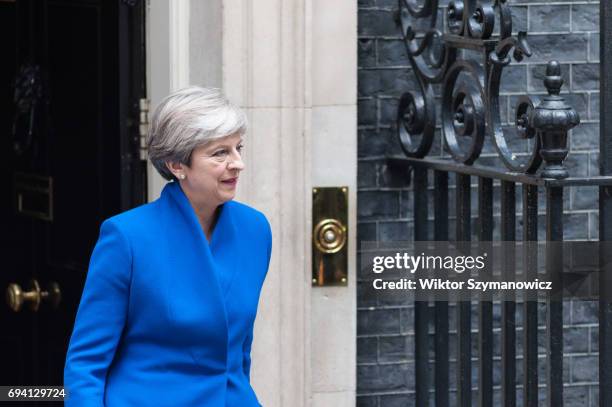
231, 181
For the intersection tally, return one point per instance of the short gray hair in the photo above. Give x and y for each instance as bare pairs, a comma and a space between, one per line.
187, 119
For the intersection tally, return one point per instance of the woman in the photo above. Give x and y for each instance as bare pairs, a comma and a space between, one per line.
167, 312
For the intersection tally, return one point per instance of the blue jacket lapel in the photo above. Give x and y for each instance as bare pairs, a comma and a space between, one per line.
183, 212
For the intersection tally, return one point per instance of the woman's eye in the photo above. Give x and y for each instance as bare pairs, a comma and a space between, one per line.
239, 148
219, 153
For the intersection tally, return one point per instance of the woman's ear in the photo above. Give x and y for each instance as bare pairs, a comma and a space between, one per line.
177, 169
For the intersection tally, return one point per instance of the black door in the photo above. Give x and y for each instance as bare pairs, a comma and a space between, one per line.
71, 78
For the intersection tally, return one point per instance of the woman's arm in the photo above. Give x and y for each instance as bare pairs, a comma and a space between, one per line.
246, 352
100, 319
248, 341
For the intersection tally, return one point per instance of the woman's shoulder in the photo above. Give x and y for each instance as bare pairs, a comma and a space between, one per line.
137, 217
245, 213
244, 210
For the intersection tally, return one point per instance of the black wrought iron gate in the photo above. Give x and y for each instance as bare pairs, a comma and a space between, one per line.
470, 112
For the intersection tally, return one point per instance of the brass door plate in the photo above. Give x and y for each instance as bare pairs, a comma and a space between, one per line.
330, 236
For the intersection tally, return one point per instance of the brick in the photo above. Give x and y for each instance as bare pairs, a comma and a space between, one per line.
396, 348
387, 4
367, 174
377, 205
367, 401
578, 101
585, 77
594, 163
388, 111
584, 197
395, 231
366, 53
372, 142
386, 82
585, 17
594, 226
584, 369
594, 106
366, 231
366, 3
367, 350
366, 112
406, 321
574, 340
396, 82
549, 18
392, 53
407, 205
363, 271
594, 47
398, 400
366, 295
497, 374
585, 312
575, 226
594, 340
380, 321
394, 298
377, 23
519, 18
594, 396
514, 79
368, 82
396, 377
585, 136
576, 395
542, 339
577, 164
562, 47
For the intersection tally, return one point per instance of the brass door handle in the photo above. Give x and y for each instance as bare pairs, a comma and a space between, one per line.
16, 297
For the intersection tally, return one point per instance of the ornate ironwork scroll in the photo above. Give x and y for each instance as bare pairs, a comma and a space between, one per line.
470, 107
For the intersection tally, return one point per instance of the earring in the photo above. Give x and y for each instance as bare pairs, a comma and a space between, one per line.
182, 176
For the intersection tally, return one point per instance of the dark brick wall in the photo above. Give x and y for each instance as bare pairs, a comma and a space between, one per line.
562, 30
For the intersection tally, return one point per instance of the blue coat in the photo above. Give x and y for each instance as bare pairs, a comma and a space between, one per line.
166, 319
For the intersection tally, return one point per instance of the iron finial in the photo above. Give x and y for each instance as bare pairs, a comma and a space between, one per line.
553, 118
553, 80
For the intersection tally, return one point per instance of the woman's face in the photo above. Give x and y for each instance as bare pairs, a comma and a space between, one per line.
213, 174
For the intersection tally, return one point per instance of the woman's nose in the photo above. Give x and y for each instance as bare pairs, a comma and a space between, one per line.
236, 163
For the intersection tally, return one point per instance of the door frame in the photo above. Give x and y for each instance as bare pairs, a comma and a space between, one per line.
167, 61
